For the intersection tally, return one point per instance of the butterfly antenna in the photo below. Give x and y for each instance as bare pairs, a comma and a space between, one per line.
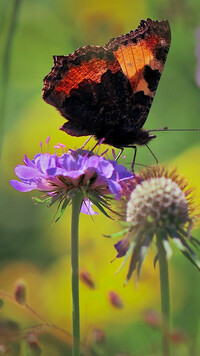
152, 153
166, 129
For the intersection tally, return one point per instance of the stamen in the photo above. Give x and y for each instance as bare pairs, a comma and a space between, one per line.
47, 142
41, 147
62, 146
114, 155
104, 153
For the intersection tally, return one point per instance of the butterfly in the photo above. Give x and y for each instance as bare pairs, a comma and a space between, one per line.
107, 91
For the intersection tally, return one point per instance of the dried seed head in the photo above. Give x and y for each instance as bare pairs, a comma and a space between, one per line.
158, 202
160, 205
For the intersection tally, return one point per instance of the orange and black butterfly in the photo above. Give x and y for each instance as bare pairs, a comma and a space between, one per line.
108, 91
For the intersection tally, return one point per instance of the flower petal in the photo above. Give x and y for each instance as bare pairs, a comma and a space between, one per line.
93, 162
54, 171
69, 162
28, 162
120, 172
23, 187
25, 172
45, 161
87, 208
106, 168
115, 188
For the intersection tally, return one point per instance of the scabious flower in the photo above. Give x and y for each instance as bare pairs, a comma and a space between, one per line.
60, 176
162, 205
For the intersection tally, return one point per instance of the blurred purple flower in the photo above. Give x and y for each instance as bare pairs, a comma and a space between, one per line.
60, 176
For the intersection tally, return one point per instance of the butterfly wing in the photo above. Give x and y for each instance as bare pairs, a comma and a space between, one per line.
142, 54
107, 91
86, 87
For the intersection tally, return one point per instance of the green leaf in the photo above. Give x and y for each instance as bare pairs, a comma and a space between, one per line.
163, 236
132, 244
135, 257
37, 200
145, 246
155, 261
195, 243
65, 204
186, 249
187, 255
99, 206
117, 234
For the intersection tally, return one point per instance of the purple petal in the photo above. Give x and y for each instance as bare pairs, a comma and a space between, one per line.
87, 208
89, 173
37, 156
82, 162
54, 171
45, 161
25, 172
68, 162
93, 162
99, 182
115, 188
28, 162
23, 187
106, 168
122, 247
74, 174
121, 172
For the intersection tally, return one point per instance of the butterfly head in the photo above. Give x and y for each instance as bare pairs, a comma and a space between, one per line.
143, 138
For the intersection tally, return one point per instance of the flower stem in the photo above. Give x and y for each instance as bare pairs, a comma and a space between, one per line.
6, 61
76, 206
165, 296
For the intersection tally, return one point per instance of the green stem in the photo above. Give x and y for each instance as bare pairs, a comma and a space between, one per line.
6, 60
76, 205
165, 296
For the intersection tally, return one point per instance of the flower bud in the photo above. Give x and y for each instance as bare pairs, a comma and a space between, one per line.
98, 336
86, 278
20, 292
115, 300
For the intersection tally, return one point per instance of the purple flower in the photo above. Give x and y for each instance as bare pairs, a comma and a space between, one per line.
60, 176
122, 247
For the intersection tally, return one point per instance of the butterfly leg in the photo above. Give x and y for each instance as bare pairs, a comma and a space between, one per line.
152, 153
119, 154
96, 144
134, 157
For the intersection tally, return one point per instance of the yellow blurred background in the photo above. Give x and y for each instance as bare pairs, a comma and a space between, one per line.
37, 251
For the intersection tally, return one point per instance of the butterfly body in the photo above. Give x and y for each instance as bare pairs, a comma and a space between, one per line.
108, 91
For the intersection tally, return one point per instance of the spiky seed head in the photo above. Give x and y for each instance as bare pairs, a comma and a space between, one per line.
158, 202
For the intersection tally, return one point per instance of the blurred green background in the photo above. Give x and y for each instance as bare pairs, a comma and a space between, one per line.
37, 251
